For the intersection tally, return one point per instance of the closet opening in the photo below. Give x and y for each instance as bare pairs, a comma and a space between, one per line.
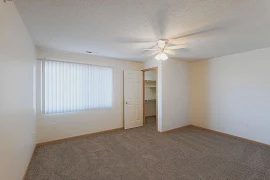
150, 92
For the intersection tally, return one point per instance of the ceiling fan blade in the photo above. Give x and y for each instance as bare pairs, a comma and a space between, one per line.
160, 21
149, 49
135, 40
170, 52
177, 47
196, 34
153, 53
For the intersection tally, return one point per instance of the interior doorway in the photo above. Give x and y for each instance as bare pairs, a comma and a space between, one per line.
150, 94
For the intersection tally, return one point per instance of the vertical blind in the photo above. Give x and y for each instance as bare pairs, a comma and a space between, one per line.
70, 87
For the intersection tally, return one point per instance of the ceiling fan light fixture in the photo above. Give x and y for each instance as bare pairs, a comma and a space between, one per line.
161, 57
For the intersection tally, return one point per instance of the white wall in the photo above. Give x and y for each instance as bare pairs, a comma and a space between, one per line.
17, 109
199, 93
150, 75
173, 93
231, 94
150, 93
74, 124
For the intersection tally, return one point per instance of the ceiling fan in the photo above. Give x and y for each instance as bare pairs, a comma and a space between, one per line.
162, 48
166, 46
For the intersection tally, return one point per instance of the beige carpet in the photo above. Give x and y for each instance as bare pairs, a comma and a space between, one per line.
142, 153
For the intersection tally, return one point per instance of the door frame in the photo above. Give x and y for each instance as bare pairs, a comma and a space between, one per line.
144, 70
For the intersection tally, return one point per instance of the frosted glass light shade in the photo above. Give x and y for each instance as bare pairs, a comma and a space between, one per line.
161, 57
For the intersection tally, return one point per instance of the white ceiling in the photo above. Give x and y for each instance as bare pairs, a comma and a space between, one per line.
114, 28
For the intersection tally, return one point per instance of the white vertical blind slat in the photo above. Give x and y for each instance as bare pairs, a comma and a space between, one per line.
71, 87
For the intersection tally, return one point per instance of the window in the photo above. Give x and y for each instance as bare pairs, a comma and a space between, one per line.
70, 87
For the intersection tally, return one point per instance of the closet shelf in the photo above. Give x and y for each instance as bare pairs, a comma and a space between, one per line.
150, 100
150, 86
149, 81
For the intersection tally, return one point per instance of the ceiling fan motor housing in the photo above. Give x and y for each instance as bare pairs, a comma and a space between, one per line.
162, 43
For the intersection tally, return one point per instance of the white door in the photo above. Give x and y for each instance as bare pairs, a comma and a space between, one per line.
133, 99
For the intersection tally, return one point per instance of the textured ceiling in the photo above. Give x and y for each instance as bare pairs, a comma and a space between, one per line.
118, 28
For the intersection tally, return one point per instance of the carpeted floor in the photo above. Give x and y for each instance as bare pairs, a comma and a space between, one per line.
142, 154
